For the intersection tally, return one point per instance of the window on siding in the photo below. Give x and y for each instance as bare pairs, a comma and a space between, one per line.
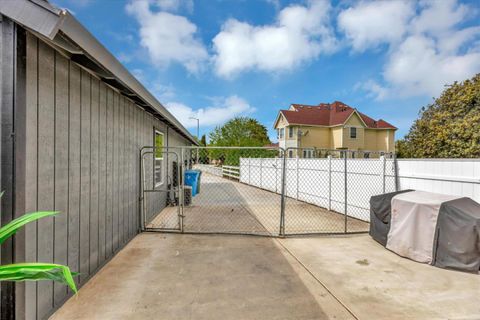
281, 133
158, 161
290, 132
353, 133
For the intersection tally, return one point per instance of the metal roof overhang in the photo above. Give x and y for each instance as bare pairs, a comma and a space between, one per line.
66, 33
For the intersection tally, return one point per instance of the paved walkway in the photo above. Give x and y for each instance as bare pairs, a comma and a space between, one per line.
228, 206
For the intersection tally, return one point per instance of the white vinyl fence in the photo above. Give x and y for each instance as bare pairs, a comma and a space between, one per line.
322, 181
459, 177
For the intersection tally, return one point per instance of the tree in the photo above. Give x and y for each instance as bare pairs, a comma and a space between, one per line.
203, 141
239, 132
447, 128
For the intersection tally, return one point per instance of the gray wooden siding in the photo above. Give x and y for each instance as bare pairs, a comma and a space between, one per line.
82, 158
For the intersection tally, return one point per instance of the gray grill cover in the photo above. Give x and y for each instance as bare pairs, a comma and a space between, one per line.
457, 236
380, 215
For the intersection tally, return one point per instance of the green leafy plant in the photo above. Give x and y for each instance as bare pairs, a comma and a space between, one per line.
33, 271
448, 127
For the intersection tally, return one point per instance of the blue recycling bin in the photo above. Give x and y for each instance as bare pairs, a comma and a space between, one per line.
192, 179
199, 180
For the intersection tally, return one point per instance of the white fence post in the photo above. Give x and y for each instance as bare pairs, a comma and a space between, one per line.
261, 173
249, 173
297, 170
384, 168
276, 176
329, 182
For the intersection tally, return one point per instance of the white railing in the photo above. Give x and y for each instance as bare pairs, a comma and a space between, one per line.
231, 172
209, 168
223, 171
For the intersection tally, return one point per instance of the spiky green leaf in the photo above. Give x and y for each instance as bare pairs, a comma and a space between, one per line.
38, 271
11, 228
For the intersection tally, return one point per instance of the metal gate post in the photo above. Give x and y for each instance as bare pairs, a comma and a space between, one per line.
395, 172
346, 189
141, 225
282, 203
144, 204
181, 188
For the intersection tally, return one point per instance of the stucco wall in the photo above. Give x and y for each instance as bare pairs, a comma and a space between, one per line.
385, 140
370, 139
337, 137
315, 137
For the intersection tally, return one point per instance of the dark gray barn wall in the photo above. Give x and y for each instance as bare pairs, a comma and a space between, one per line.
81, 158
7, 103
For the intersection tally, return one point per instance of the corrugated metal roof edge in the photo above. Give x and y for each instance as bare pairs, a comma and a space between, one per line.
50, 24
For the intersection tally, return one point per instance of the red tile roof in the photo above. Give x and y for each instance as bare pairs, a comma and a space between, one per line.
329, 114
272, 145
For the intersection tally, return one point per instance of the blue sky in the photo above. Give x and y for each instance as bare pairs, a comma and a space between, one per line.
216, 59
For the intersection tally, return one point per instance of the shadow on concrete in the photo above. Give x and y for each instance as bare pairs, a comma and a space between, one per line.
168, 276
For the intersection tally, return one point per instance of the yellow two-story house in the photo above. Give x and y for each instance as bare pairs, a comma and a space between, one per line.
332, 126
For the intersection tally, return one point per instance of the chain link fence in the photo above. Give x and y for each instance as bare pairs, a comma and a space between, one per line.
272, 191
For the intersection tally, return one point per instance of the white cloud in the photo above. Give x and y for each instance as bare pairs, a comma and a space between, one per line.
426, 51
175, 5
275, 3
300, 34
418, 67
438, 16
371, 23
373, 89
167, 37
163, 92
223, 110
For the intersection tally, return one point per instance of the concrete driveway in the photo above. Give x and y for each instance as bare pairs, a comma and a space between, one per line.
173, 276
375, 283
168, 276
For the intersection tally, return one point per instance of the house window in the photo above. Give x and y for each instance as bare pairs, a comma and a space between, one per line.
290, 132
307, 153
158, 161
281, 133
353, 133
290, 153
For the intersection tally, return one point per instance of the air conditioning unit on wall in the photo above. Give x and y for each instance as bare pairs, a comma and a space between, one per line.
187, 195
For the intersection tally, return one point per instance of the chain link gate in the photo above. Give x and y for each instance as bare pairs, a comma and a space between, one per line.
262, 191
227, 202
